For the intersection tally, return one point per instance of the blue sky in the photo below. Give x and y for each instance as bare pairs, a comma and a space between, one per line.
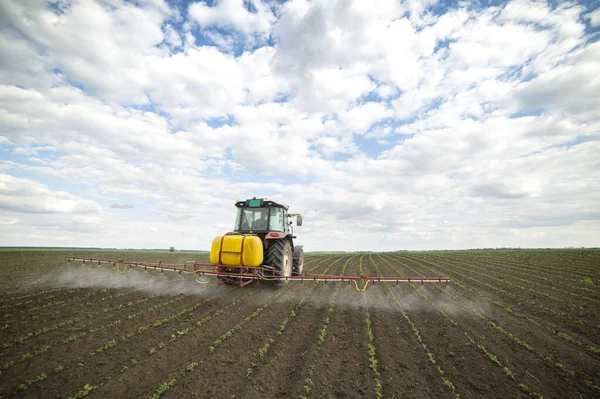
410, 125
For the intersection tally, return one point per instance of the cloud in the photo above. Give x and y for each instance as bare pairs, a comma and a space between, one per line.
248, 17
27, 196
407, 125
360, 118
9, 220
572, 89
594, 17
121, 206
501, 190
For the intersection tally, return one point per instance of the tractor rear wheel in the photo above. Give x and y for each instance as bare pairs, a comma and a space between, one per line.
279, 255
299, 264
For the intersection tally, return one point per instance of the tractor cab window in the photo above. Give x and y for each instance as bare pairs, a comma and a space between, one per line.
258, 219
251, 219
276, 222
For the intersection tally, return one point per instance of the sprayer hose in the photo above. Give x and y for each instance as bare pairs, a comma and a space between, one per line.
119, 268
196, 277
363, 288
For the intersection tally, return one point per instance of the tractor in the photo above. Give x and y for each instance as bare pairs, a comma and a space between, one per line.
270, 221
260, 247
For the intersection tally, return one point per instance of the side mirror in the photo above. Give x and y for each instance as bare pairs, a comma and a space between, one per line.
299, 220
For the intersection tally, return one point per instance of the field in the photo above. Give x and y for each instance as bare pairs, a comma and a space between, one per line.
522, 323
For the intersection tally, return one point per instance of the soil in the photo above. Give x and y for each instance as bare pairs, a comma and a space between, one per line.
493, 331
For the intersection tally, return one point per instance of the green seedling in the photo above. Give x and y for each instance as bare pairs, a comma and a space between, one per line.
85, 391
164, 387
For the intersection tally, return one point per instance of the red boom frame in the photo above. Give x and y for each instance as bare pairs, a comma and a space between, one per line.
247, 275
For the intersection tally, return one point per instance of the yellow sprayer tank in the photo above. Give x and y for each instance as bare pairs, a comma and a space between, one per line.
237, 250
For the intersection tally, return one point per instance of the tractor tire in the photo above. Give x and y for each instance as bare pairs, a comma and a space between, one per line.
298, 265
280, 257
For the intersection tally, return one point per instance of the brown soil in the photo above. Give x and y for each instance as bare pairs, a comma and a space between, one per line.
479, 336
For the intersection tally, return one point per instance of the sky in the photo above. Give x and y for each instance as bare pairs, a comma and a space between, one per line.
388, 125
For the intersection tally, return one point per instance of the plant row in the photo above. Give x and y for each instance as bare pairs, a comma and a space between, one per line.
262, 351
216, 343
200, 322
486, 352
28, 302
531, 281
536, 273
113, 342
321, 334
503, 281
519, 341
532, 303
566, 337
419, 338
372, 352
34, 294
39, 332
562, 267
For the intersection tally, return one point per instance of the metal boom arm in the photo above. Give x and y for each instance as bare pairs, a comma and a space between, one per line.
249, 274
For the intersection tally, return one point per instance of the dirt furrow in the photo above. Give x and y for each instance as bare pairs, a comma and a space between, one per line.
238, 355
558, 317
532, 365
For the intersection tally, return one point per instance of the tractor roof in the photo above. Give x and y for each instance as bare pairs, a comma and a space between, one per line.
260, 202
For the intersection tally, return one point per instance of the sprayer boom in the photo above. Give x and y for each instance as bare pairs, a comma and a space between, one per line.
246, 275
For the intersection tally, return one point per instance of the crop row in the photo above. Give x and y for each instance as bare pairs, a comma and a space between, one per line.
262, 351
76, 299
535, 304
71, 338
531, 290
199, 323
105, 310
191, 366
453, 323
111, 343
17, 295
52, 294
530, 281
71, 321
96, 328
321, 334
372, 352
520, 264
417, 334
524, 344
568, 266
39, 332
54, 302
534, 273
162, 322
218, 341
532, 303
564, 336
159, 322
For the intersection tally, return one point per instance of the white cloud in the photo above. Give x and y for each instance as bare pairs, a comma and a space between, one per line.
9, 220
572, 89
28, 196
594, 17
386, 91
467, 126
358, 119
234, 14
329, 89
172, 37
